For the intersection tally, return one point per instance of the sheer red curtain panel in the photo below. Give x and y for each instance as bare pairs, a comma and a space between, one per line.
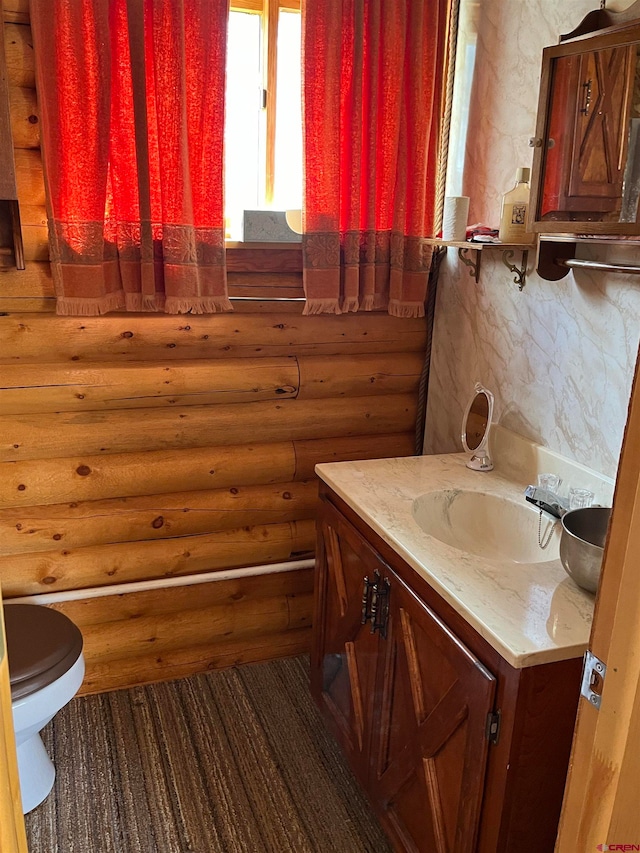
131, 96
372, 91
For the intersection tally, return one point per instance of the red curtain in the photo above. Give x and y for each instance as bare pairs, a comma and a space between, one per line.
131, 97
373, 74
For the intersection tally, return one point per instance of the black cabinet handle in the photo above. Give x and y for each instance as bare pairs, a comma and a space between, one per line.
380, 607
587, 98
366, 592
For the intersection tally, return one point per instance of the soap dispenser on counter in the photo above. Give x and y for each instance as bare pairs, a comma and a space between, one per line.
513, 216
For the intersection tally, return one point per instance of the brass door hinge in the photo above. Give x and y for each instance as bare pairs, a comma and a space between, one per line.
492, 730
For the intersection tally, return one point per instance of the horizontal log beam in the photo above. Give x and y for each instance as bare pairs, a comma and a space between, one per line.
26, 437
247, 258
75, 525
102, 387
18, 305
250, 290
181, 663
265, 285
30, 304
37, 388
82, 478
104, 565
251, 306
323, 377
194, 627
263, 281
91, 478
312, 453
247, 284
126, 663
136, 337
34, 281
87, 612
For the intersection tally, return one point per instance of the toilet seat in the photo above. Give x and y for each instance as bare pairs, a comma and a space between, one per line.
42, 645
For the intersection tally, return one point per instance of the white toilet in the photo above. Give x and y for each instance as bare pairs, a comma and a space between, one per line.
46, 668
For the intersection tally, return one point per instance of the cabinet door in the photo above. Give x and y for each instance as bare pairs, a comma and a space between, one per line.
344, 648
599, 153
430, 755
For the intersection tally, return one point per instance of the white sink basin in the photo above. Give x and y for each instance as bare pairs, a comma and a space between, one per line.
486, 525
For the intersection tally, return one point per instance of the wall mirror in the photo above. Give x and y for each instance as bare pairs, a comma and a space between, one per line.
586, 168
476, 425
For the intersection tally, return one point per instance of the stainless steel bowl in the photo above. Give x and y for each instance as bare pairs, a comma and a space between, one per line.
582, 544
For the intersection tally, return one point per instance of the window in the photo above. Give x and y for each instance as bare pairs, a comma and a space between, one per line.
263, 123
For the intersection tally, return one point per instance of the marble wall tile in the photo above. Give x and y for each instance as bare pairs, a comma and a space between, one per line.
559, 356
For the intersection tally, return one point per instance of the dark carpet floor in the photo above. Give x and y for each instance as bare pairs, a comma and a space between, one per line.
237, 761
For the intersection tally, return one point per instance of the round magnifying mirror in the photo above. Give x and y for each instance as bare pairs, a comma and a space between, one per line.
476, 425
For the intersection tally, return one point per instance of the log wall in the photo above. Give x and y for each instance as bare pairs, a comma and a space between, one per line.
143, 447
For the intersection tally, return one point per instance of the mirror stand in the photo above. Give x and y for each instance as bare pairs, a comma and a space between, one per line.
482, 462
476, 426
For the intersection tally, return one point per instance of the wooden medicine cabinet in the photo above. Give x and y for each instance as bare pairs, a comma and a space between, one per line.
586, 167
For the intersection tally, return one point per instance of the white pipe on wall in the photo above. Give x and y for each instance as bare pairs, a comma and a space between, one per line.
160, 583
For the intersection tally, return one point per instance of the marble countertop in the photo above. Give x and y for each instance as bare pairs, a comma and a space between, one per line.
531, 613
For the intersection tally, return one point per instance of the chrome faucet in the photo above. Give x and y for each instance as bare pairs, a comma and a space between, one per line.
547, 500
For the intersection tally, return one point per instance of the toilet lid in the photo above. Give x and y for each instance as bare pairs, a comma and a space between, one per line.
42, 644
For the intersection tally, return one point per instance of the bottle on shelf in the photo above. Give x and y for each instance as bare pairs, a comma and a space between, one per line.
515, 205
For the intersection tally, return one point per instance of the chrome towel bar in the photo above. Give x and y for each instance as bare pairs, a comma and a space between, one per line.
572, 263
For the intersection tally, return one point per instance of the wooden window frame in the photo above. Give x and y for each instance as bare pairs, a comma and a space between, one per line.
269, 11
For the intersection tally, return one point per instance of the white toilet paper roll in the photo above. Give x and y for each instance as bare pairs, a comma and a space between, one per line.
454, 217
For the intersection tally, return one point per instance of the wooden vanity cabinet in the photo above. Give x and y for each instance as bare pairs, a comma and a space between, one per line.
457, 750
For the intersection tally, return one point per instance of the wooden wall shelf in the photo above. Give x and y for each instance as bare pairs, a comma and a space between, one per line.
508, 251
555, 258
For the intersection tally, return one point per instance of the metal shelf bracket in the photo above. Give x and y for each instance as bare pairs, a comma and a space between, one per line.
474, 266
520, 273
